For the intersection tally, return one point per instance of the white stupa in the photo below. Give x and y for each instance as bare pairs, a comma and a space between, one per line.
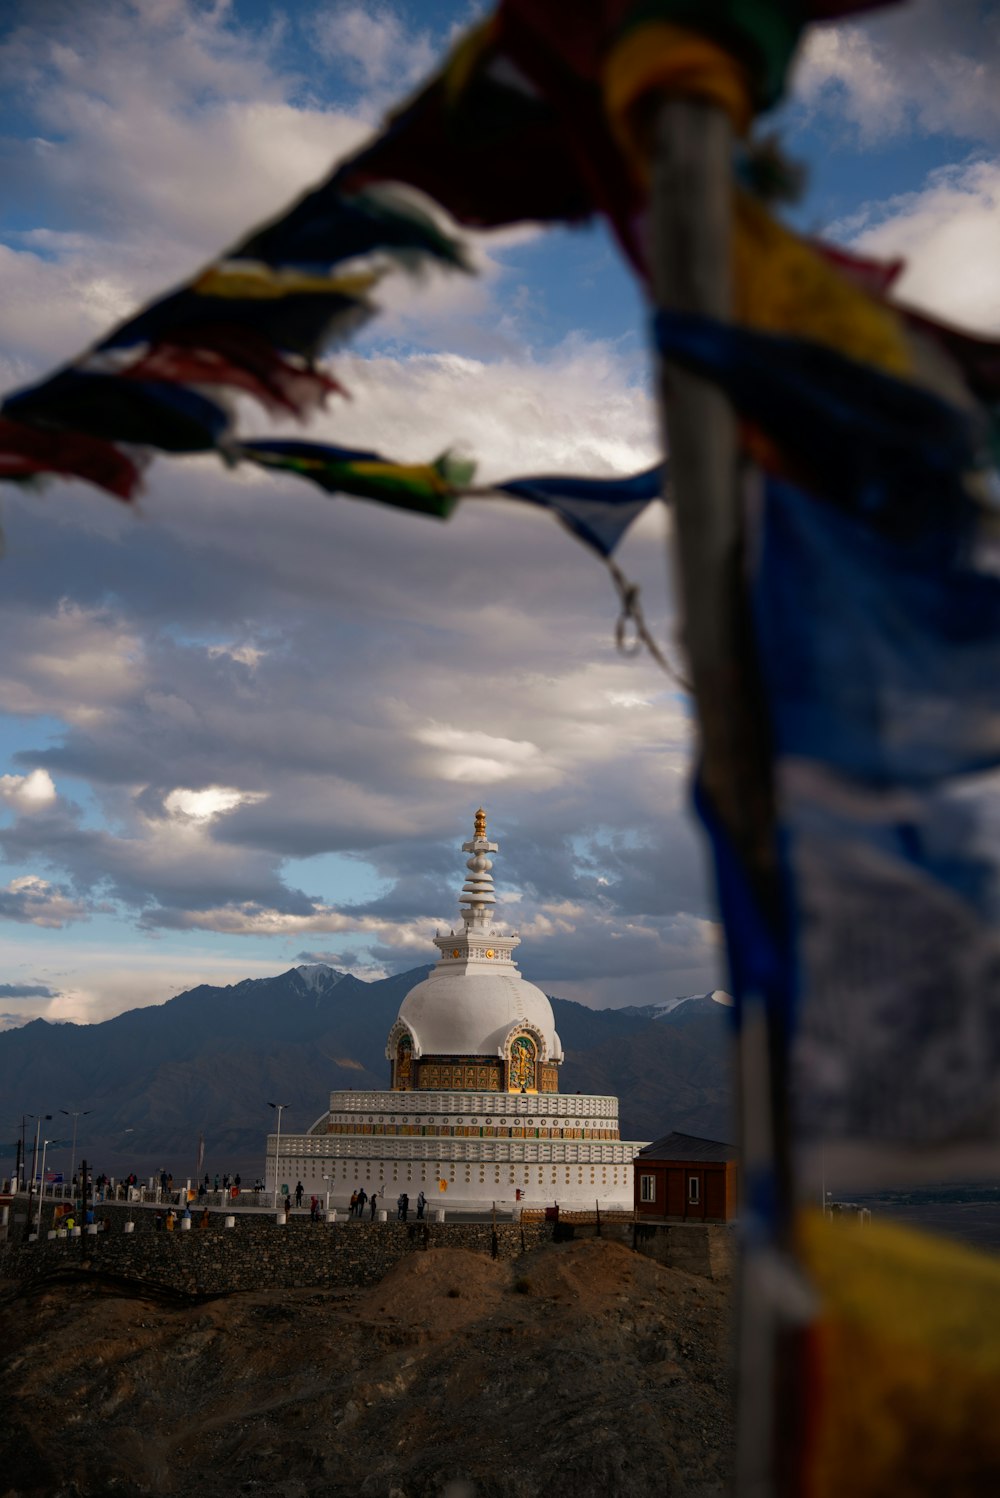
473, 1114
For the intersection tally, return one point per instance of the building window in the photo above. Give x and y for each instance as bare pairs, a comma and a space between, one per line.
647, 1188
694, 1189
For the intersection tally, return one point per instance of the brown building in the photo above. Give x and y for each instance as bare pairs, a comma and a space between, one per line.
684, 1179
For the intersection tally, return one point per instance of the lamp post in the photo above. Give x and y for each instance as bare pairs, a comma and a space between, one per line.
42, 1118
74, 1114
278, 1107
41, 1188
327, 1178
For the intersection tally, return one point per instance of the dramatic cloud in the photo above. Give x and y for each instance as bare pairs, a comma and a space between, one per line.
247, 717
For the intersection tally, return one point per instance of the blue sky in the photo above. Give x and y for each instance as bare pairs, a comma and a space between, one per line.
247, 726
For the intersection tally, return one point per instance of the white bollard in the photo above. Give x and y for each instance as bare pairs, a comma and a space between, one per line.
91, 1229
439, 1214
185, 1224
76, 1232
383, 1215
281, 1219
32, 1237
331, 1216
130, 1227
230, 1222
51, 1233
61, 1233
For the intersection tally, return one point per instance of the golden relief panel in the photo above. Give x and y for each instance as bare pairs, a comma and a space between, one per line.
521, 1069
404, 1064
458, 1076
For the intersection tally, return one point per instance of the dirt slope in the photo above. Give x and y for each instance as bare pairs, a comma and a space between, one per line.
579, 1369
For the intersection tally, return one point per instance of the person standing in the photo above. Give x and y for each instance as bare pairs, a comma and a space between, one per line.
299, 1188
404, 1206
421, 1204
353, 1208
170, 1220
362, 1198
373, 1204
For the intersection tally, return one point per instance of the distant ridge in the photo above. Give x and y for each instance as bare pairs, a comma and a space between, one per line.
209, 1060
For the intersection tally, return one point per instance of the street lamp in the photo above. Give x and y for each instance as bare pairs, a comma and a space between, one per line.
74, 1115
42, 1118
41, 1186
327, 1178
278, 1107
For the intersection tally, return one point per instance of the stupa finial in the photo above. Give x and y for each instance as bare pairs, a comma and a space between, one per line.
477, 897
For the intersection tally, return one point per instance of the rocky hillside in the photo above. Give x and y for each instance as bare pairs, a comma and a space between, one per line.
208, 1061
576, 1370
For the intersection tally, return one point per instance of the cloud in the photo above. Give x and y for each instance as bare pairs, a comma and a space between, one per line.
35, 902
262, 688
947, 233
923, 67
26, 991
73, 661
255, 920
203, 805
373, 46
28, 792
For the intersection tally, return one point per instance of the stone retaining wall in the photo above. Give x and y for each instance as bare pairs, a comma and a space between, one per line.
256, 1253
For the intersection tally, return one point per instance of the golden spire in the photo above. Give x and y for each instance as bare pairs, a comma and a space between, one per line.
480, 830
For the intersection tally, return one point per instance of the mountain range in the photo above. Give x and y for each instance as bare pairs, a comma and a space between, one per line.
209, 1061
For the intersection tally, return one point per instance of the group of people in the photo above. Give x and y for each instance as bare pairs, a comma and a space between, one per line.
167, 1221
360, 1198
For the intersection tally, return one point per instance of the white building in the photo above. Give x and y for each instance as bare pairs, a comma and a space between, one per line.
474, 1113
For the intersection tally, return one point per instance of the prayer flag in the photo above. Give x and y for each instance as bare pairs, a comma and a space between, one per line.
597, 511
28, 452
429, 488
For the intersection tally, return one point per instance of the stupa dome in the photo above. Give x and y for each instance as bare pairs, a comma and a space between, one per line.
459, 1012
